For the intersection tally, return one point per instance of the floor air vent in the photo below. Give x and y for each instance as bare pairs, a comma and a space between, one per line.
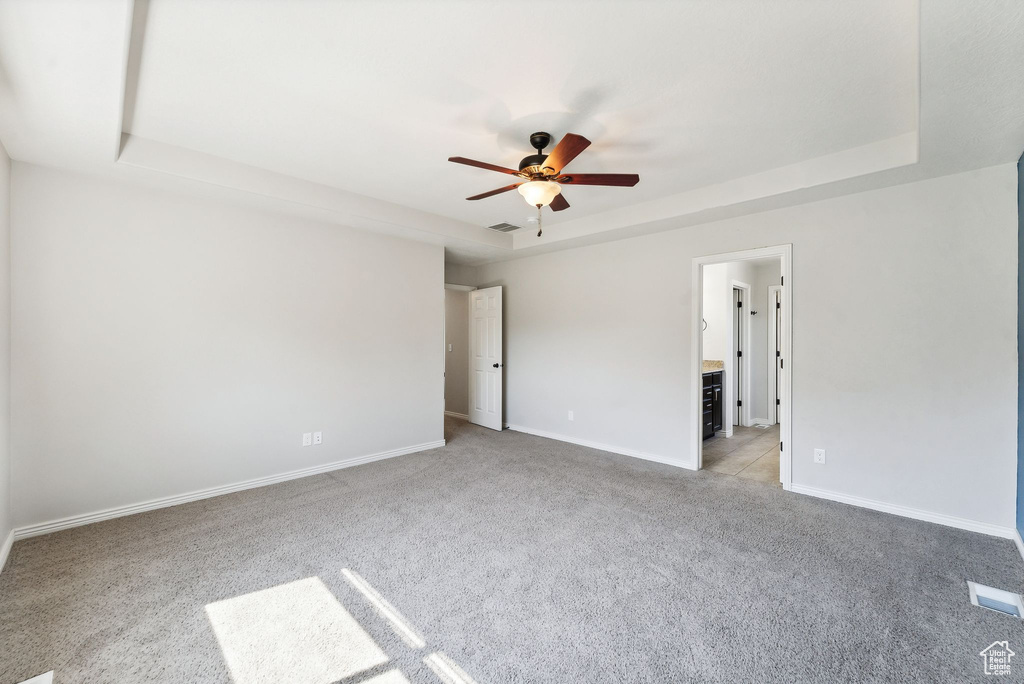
998, 600
503, 227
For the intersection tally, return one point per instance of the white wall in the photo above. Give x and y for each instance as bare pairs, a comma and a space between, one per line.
456, 367
459, 274
6, 513
904, 347
164, 344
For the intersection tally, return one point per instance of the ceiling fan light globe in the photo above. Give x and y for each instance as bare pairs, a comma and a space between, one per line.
539, 193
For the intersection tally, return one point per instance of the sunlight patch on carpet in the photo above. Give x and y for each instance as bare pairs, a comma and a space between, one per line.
447, 670
398, 623
297, 633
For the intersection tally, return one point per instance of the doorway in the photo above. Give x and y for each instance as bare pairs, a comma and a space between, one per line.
741, 344
473, 362
456, 350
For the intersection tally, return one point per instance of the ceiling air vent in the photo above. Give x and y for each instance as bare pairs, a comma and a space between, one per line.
503, 227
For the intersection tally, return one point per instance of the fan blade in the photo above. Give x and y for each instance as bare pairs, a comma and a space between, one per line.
495, 192
620, 179
559, 203
482, 165
567, 149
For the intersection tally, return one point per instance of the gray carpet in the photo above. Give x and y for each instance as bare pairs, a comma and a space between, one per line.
510, 558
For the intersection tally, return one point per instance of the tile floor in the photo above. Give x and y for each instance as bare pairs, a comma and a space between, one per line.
751, 453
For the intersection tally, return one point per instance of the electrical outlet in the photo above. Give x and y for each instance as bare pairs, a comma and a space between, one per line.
570, 416
819, 456
318, 438
307, 438
449, 347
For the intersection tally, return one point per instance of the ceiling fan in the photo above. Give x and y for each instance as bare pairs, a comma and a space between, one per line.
542, 176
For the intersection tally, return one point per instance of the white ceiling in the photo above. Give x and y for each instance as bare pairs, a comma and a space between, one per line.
374, 97
347, 111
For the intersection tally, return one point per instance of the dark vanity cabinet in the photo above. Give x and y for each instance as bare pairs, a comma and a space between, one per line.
711, 417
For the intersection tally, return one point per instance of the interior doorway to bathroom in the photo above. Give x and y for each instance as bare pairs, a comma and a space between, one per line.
741, 373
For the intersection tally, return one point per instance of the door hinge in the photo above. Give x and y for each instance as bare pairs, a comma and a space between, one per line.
782, 280
739, 353
780, 447
739, 305
777, 353
778, 305
782, 363
778, 402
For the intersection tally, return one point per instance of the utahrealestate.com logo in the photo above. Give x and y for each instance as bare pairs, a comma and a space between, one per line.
997, 658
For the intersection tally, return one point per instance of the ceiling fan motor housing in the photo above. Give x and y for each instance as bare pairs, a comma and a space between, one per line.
534, 164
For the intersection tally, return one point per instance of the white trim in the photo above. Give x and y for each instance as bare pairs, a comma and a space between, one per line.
908, 512
759, 421
602, 447
453, 414
167, 501
785, 254
460, 288
5, 550
1019, 542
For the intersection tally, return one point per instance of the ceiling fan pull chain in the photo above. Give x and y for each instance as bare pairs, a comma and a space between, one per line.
540, 228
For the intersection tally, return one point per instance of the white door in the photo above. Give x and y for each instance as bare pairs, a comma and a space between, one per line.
774, 353
485, 363
737, 345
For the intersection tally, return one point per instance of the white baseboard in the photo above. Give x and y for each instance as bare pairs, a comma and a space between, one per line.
164, 502
453, 414
758, 421
5, 550
1019, 542
915, 513
603, 447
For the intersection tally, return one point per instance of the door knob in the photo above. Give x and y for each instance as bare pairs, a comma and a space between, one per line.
498, 365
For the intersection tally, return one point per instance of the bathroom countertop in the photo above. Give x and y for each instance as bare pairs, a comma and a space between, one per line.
712, 366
